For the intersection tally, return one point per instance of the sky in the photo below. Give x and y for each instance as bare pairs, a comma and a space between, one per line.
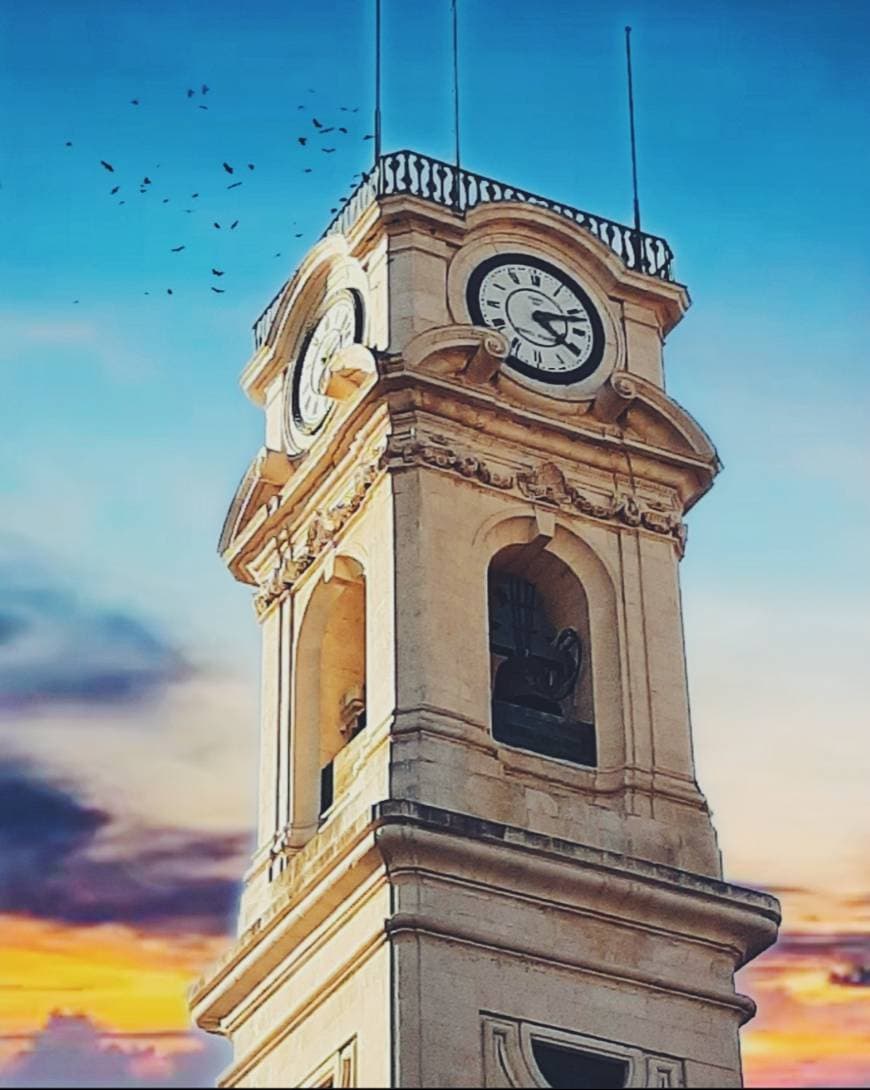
128, 656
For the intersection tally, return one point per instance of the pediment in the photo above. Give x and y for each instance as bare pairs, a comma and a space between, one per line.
262, 481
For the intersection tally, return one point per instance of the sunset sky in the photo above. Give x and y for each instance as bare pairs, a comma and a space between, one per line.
128, 656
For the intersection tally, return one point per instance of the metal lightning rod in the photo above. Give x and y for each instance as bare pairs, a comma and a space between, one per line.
631, 127
377, 82
456, 85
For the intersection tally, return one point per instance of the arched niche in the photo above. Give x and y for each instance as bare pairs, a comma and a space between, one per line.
330, 691
573, 590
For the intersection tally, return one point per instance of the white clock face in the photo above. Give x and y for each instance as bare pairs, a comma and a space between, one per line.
307, 403
555, 333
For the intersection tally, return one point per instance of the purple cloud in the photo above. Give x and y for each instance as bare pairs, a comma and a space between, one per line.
57, 648
73, 1051
62, 859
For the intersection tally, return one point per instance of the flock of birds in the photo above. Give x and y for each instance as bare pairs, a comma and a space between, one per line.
319, 130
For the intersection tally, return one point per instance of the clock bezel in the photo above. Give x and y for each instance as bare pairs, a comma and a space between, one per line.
299, 436
581, 373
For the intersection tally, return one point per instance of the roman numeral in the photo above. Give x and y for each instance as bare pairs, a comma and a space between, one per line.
575, 348
512, 274
536, 279
498, 322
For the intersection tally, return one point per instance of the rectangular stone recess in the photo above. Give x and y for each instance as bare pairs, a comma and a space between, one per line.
327, 787
571, 1069
541, 732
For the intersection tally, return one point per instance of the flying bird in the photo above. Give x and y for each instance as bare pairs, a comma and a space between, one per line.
204, 89
216, 224
307, 170
169, 291
328, 151
193, 195
146, 180
250, 166
165, 200
190, 92
298, 235
134, 101
68, 144
303, 140
278, 254
369, 136
202, 107
228, 168
235, 185
234, 225
317, 124
75, 300
331, 128
107, 166
341, 128
217, 272
218, 291
177, 249
112, 192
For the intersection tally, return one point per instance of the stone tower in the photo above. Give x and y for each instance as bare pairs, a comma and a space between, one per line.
484, 859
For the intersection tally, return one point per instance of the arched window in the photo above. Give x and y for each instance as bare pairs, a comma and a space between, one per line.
540, 664
330, 689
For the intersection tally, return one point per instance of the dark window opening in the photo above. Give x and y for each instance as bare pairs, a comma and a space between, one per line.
569, 1069
327, 787
536, 669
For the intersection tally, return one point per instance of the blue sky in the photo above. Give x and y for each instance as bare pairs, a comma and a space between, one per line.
124, 431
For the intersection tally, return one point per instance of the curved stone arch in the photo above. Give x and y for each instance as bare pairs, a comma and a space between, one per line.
327, 268
499, 225
336, 598
520, 526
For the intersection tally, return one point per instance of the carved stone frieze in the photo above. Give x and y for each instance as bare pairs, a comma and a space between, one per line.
547, 484
435, 451
320, 534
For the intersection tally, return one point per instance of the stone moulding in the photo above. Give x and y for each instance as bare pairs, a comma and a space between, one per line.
321, 533
545, 483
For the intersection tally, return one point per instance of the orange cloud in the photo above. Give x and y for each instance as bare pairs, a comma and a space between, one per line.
126, 980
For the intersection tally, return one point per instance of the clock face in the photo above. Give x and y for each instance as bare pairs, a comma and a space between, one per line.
337, 327
555, 333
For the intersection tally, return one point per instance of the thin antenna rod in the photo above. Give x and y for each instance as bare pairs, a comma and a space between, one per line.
631, 125
377, 82
456, 86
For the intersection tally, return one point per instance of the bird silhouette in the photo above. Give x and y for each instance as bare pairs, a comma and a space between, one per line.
307, 170
218, 291
68, 144
190, 92
216, 224
75, 300
228, 168
278, 254
317, 124
193, 196
298, 235
331, 128
169, 291
368, 136
234, 225
177, 249
107, 166
165, 200
202, 107
235, 185
204, 89
134, 101
217, 272
328, 151
303, 140
250, 166
112, 192
146, 180
341, 128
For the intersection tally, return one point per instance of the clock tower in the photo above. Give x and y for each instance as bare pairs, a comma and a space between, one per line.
484, 859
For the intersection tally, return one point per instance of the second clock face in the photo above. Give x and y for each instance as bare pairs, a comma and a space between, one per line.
338, 326
555, 332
